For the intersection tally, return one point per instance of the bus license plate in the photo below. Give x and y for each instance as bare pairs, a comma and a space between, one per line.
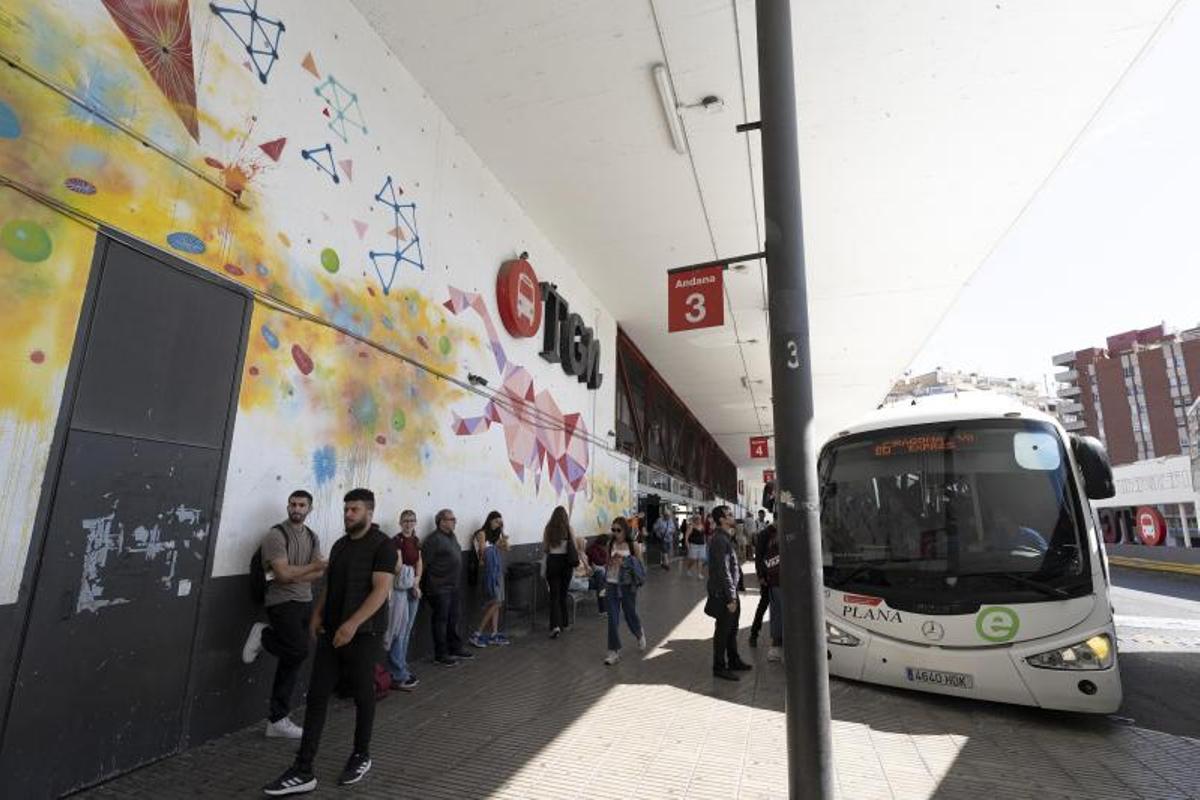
950, 680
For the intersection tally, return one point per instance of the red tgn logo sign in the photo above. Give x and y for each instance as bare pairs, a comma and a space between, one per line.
759, 447
695, 299
519, 298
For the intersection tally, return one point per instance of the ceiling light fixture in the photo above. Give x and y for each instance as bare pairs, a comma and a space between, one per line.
670, 108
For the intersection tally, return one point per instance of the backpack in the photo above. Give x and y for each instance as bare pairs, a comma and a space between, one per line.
472, 565
382, 680
258, 573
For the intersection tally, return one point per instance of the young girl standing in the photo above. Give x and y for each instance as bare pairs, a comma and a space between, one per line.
491, 544
624, 572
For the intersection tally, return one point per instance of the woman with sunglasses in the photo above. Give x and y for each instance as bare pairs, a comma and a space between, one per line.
623, 575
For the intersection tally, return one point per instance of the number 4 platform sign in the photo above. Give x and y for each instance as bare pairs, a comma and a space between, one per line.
696, 298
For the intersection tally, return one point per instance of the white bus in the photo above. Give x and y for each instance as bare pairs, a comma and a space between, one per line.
961, 555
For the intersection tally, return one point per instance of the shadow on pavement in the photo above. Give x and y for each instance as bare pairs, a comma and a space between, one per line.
549, 714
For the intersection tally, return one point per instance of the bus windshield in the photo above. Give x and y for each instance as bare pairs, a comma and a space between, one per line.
954, 513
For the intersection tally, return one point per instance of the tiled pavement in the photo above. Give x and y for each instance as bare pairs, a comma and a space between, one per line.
546, 719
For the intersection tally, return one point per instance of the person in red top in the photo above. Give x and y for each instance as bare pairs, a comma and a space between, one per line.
408, 599
597, 554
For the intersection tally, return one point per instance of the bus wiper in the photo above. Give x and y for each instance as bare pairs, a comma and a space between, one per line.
1016, 577
864, 567
854, 573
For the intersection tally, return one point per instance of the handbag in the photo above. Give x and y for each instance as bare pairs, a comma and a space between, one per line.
405, 579
637, 571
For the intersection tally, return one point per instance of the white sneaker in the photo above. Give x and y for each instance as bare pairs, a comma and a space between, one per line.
253, 645
642, 641
774, 654
613, 657
284, 729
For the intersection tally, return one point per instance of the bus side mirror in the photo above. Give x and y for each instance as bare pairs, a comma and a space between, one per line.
1093, 463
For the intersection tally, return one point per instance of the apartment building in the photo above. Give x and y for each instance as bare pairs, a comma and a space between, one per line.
1134, 393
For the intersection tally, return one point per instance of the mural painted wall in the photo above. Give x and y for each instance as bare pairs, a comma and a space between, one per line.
44, 261
368, 230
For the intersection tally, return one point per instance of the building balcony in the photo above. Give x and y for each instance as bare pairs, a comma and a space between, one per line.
1069, 391
1070, 407
1064, 359
1074, 425
1070, 376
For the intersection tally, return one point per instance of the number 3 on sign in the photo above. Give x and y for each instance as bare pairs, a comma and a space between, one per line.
696, 309
793, 361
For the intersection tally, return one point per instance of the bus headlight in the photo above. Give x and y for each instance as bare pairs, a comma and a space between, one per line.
1095, 653
835, 635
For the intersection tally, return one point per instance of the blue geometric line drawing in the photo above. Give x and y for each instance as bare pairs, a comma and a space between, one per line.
325, 164
258, 41
345, 107
404, 232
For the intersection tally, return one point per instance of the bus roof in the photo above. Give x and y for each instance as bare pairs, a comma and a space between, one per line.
943, 408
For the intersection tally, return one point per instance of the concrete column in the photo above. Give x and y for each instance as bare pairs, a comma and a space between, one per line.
1183, 520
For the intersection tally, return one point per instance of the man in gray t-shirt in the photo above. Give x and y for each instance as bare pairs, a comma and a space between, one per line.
291, 555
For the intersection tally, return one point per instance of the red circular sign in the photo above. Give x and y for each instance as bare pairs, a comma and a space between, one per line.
519, 298
1151, 527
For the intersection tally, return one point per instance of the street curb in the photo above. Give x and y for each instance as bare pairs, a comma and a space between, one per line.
1154, 566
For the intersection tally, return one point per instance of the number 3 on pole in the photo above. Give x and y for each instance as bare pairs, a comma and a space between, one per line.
793, 361
696, 309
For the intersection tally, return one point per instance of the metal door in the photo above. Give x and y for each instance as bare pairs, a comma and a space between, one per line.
102, 680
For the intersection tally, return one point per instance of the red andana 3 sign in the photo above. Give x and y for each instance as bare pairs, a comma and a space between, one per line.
695, 298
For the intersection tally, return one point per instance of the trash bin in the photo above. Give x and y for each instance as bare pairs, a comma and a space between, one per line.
521, 594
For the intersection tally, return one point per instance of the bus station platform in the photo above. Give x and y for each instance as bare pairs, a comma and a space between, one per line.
547, 719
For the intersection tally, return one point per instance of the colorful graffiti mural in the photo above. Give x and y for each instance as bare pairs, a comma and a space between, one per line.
44, 261
539, 436
251, 175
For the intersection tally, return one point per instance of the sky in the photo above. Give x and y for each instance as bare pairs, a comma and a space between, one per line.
1111, 243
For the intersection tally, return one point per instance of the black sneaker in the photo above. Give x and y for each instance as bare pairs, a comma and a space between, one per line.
357, 766
740, 666
726, 675
465, 655
294, 781
446, 661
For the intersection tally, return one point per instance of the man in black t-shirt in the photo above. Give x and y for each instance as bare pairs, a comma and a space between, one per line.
348, 622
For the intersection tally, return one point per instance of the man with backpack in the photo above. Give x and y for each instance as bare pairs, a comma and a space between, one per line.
290, 554
349, 621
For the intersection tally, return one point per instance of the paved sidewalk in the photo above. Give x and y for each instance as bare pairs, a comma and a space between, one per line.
546, 719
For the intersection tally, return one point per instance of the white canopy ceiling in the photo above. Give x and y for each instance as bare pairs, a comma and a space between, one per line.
927, 126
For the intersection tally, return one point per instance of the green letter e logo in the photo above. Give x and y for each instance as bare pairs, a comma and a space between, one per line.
997, 623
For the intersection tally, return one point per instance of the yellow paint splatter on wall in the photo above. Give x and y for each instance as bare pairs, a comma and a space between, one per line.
302, 371
44, 260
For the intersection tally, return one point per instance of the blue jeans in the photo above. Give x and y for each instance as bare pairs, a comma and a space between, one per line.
398, 654
621, 598
776, 615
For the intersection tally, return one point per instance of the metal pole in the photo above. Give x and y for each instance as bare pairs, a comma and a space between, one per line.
1183, 522
810, 773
